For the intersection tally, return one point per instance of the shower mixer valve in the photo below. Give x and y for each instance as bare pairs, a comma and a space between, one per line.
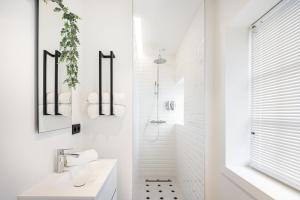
170, 105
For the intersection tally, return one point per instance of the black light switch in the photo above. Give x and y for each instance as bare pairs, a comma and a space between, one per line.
75, 129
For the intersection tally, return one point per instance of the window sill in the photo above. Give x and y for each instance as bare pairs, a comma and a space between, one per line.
259, 185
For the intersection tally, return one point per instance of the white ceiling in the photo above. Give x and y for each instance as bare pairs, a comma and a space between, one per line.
164, 23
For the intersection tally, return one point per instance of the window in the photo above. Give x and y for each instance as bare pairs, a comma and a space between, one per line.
275, 93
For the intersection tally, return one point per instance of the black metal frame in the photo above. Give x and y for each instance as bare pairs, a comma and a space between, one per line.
111, 56
56, 57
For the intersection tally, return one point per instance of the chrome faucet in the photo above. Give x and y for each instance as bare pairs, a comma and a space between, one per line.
61, 160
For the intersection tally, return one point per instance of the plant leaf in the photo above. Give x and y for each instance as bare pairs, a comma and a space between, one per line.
57, 9
69, 42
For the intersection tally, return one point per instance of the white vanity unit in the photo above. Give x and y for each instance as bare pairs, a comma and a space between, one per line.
101, 184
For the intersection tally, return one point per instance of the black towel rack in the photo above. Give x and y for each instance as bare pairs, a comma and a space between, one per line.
56, 57
111, 56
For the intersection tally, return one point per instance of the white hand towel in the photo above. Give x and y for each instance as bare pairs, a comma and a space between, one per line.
118, 98
65, 97
93, 110
84, 158
93, 97
64, 109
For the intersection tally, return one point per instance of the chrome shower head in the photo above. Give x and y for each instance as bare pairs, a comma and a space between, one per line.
160, 61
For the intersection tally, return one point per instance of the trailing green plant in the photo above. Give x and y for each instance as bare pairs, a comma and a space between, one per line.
69, 42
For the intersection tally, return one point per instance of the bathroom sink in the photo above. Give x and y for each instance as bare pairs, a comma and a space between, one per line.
100, 183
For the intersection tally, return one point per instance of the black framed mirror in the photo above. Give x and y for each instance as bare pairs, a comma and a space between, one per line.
54, 96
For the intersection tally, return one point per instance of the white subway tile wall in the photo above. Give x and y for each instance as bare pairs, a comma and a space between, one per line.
156, 153
178, 151
190, 137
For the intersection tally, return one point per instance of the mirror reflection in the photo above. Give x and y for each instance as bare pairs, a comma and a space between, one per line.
55, 97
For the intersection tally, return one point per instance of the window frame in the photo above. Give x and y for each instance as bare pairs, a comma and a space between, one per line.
255, 183
277, 176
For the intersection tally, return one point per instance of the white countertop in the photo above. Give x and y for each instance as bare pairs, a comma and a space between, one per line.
60, 186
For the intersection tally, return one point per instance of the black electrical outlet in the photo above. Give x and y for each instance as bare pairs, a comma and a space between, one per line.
75, 129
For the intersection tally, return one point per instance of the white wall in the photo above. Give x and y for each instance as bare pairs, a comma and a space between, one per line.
26, 157
107, 25
226, 40
217, 186
190, 137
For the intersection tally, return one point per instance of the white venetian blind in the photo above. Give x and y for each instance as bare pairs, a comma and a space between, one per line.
275, 93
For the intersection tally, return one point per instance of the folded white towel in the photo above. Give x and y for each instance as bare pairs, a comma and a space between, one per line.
64, 109
119, 98
65, 97
84, 158
93, 110
94, 97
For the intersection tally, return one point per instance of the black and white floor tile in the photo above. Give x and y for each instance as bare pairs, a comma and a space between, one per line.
159, 190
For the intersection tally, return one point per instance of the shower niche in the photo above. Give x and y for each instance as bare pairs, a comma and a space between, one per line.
169, 94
